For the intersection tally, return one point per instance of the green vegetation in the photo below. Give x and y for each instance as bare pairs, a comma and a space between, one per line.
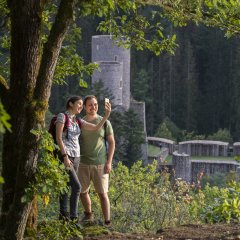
215, 204
51, 177
168, 159
43, 29
218, 179
145, 200
153, 150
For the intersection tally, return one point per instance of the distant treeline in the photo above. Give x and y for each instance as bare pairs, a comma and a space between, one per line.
198, 88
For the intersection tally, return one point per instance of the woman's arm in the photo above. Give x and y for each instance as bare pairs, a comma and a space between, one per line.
59, 131
93, 127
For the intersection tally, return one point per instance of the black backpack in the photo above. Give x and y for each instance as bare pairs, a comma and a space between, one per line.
52, 126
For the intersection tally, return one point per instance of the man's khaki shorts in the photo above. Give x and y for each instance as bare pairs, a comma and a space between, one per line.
94, 173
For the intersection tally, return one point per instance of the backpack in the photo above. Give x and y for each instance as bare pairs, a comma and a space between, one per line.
52, 126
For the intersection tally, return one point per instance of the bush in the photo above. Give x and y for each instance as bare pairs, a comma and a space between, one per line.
59, 230
142, 199
214, 204
221, 135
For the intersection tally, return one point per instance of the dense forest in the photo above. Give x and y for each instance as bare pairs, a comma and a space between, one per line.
197, 88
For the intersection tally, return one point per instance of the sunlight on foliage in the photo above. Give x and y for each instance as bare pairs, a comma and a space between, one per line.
59, 230
51, 177
142, 199
4, 120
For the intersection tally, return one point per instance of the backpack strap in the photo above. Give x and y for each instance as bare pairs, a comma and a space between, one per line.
66, 124
79, 122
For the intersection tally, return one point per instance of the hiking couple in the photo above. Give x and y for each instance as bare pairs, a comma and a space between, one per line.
95, 164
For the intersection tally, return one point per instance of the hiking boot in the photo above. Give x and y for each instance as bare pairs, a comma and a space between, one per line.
87, 217
74, 222
64, 217
107, 225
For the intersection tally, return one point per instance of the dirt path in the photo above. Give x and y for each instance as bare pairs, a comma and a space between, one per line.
188, 232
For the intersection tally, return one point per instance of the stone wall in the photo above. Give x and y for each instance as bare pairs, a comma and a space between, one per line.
204, 148
189, 170
210, 167
236, 149
162, 142
182, 166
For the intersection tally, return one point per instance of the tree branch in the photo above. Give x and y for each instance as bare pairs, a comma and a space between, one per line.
51, 51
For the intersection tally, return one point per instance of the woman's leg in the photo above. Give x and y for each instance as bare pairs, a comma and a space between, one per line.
75, 188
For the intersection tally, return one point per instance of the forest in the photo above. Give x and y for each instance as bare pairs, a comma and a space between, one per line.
184, 53
196, 88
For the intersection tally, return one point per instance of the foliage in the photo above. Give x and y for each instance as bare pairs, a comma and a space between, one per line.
4, 120
141, 87
51, 177
218, 179
59, 230
216, 204
221, 135
130, 135
142, 199
168, 129
164, 132
187, 136
218, 13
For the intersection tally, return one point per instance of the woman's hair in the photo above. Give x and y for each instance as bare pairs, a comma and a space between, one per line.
87, 98
72, 99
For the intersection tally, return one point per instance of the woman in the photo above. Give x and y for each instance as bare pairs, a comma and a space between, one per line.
68, 142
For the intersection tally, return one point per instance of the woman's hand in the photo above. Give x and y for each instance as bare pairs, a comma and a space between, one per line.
67, 163
107, 109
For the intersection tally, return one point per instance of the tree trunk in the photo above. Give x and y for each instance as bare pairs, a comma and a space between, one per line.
27, 102
25, 38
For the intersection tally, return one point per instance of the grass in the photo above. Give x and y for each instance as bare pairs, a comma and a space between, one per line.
153, 150
168, 159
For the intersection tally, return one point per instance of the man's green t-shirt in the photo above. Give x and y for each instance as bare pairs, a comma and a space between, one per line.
92, 143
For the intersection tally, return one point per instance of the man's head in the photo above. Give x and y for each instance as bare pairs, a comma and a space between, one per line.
90, 104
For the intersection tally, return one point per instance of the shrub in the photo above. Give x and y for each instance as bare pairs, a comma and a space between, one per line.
59, 230
51, 176
221, 135
142, 199
215, 204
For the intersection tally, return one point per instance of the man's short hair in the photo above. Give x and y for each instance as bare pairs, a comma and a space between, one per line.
87, 98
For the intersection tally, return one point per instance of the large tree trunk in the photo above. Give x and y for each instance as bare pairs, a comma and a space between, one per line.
25, 38
27, 102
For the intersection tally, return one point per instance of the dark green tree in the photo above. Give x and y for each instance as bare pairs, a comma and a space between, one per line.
132, 138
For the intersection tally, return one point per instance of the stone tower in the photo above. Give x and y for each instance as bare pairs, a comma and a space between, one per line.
114, 62
111, 75
108, 54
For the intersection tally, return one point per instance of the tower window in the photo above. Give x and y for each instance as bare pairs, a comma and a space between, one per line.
120, 83
115, 58
97, 47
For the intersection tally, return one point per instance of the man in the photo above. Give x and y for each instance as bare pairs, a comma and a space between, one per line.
96, 161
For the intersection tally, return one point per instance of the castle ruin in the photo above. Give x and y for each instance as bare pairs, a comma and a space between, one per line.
114, 62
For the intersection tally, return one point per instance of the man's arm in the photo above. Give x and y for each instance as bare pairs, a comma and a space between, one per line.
111, 149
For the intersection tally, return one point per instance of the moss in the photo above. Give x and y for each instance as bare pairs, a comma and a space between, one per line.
30, 233
95, 231
40, 108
